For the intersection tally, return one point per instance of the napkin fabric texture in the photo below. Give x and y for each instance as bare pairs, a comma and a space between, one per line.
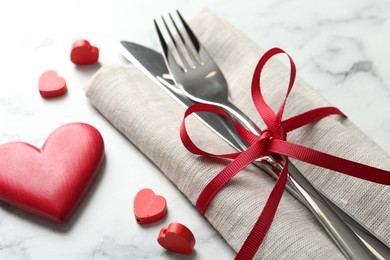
150, 119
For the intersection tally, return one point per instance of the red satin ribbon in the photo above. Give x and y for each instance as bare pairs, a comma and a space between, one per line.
272, 140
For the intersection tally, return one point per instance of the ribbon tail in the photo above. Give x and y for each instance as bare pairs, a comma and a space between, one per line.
330, 162
260, 229
214, 186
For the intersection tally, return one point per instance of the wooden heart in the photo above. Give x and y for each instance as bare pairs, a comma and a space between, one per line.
51, 181
177, 238
149, 207
83, 53
51, 85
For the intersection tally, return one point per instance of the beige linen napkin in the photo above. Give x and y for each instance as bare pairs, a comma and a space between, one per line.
150, 119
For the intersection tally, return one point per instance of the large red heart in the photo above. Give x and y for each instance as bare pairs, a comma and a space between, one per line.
51, 181
83, 53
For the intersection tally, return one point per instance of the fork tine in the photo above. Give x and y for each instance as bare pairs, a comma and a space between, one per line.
163, 43
187, 47
177, 47
191, 35
167, 53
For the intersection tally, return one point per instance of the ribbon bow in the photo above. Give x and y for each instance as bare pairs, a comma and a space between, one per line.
272, 141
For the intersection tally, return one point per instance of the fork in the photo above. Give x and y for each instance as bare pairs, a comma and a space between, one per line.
200, 79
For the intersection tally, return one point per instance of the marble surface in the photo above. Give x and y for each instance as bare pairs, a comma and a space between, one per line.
340, 47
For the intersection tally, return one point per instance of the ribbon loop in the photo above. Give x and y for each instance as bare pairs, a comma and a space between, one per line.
270, 118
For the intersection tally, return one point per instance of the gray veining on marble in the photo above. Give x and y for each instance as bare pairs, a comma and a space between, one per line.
342, 48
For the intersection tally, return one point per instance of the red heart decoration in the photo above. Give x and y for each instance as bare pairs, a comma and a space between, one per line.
51, 181
177, 238
149, 207
51, 85
83, 53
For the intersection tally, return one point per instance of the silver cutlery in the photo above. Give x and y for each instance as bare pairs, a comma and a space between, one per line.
152, 64
200, 79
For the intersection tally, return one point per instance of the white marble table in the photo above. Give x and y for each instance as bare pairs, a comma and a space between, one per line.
340, 47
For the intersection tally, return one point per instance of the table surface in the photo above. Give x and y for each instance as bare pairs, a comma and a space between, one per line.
341, 48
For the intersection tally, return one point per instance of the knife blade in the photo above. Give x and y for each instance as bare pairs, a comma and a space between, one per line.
152, 64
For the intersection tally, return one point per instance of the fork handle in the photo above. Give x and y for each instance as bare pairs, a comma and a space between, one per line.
354, 240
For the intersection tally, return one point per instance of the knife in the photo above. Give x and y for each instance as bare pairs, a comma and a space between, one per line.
153, 65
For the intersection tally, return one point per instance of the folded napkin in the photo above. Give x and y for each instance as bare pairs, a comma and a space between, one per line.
150, 119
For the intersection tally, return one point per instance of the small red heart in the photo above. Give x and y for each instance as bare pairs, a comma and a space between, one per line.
177, 238
51, 181
149, 207
83, 53
51, 85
